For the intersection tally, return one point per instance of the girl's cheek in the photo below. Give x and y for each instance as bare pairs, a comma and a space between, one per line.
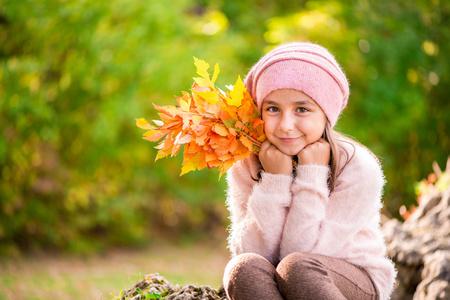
268, 127
269, 122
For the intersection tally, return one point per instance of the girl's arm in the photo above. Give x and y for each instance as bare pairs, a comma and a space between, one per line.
325, 224
258, 209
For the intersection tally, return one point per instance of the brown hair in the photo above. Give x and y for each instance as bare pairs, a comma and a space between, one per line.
332, 137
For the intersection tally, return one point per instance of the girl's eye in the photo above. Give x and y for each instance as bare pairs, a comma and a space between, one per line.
302, 109
272, 109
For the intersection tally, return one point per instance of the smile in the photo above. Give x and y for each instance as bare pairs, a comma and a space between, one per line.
288, 140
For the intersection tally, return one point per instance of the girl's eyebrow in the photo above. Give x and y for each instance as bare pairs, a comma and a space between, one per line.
270, 102
300, 102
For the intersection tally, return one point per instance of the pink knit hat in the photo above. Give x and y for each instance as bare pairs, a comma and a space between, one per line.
305, 67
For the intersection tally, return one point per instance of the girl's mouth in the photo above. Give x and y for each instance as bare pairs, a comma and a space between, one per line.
288, 140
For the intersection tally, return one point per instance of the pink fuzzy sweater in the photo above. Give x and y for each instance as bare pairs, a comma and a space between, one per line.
281, 214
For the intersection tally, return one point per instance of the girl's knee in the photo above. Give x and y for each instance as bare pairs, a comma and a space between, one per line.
292, 262
301, 266
302, 276
245, 267
250, 276
244, 263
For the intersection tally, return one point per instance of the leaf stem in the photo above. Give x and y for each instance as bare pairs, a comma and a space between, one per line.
253, 140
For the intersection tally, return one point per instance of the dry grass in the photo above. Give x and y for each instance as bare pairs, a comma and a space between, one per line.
104, 276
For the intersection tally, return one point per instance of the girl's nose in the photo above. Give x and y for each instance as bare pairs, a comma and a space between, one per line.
286, 123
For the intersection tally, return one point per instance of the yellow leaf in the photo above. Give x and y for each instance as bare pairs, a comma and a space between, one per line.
162, 154
196, 120
204, 82
261, 138
209, 96
202, 67
142, 123
191, 163
185, 105
151, 132
202, 70
237, 94
216, 73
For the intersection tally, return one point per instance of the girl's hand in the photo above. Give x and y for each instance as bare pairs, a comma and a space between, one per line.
273, 160
318, 153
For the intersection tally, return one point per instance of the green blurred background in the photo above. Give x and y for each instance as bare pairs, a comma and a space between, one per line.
76, 175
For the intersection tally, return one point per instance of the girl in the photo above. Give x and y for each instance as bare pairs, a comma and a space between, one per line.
305, 210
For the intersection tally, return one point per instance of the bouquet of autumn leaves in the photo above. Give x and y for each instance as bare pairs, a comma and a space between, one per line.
217, 128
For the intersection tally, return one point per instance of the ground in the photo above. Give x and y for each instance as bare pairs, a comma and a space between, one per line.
103, 276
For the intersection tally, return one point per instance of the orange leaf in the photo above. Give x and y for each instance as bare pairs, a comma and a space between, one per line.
225, 167
210, 157
247, 143
176, 149
183, 139
233, 145
258, 122
186, 122
192, 148
220, 129
241, 156
154, 136
196, 120
213, 109
224, 157
201, 140
168, 110
229, 112
214, 163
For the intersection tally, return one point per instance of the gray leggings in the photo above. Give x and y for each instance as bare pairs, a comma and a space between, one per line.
298, 276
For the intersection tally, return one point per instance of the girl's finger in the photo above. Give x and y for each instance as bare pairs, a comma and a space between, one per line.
264, 146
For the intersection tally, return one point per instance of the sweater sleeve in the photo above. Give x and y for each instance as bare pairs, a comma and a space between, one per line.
345, 223
325, 223
257, 210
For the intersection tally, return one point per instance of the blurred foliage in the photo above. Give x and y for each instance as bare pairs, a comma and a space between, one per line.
75, 173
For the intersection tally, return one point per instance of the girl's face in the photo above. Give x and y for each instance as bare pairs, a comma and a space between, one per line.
292, 120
